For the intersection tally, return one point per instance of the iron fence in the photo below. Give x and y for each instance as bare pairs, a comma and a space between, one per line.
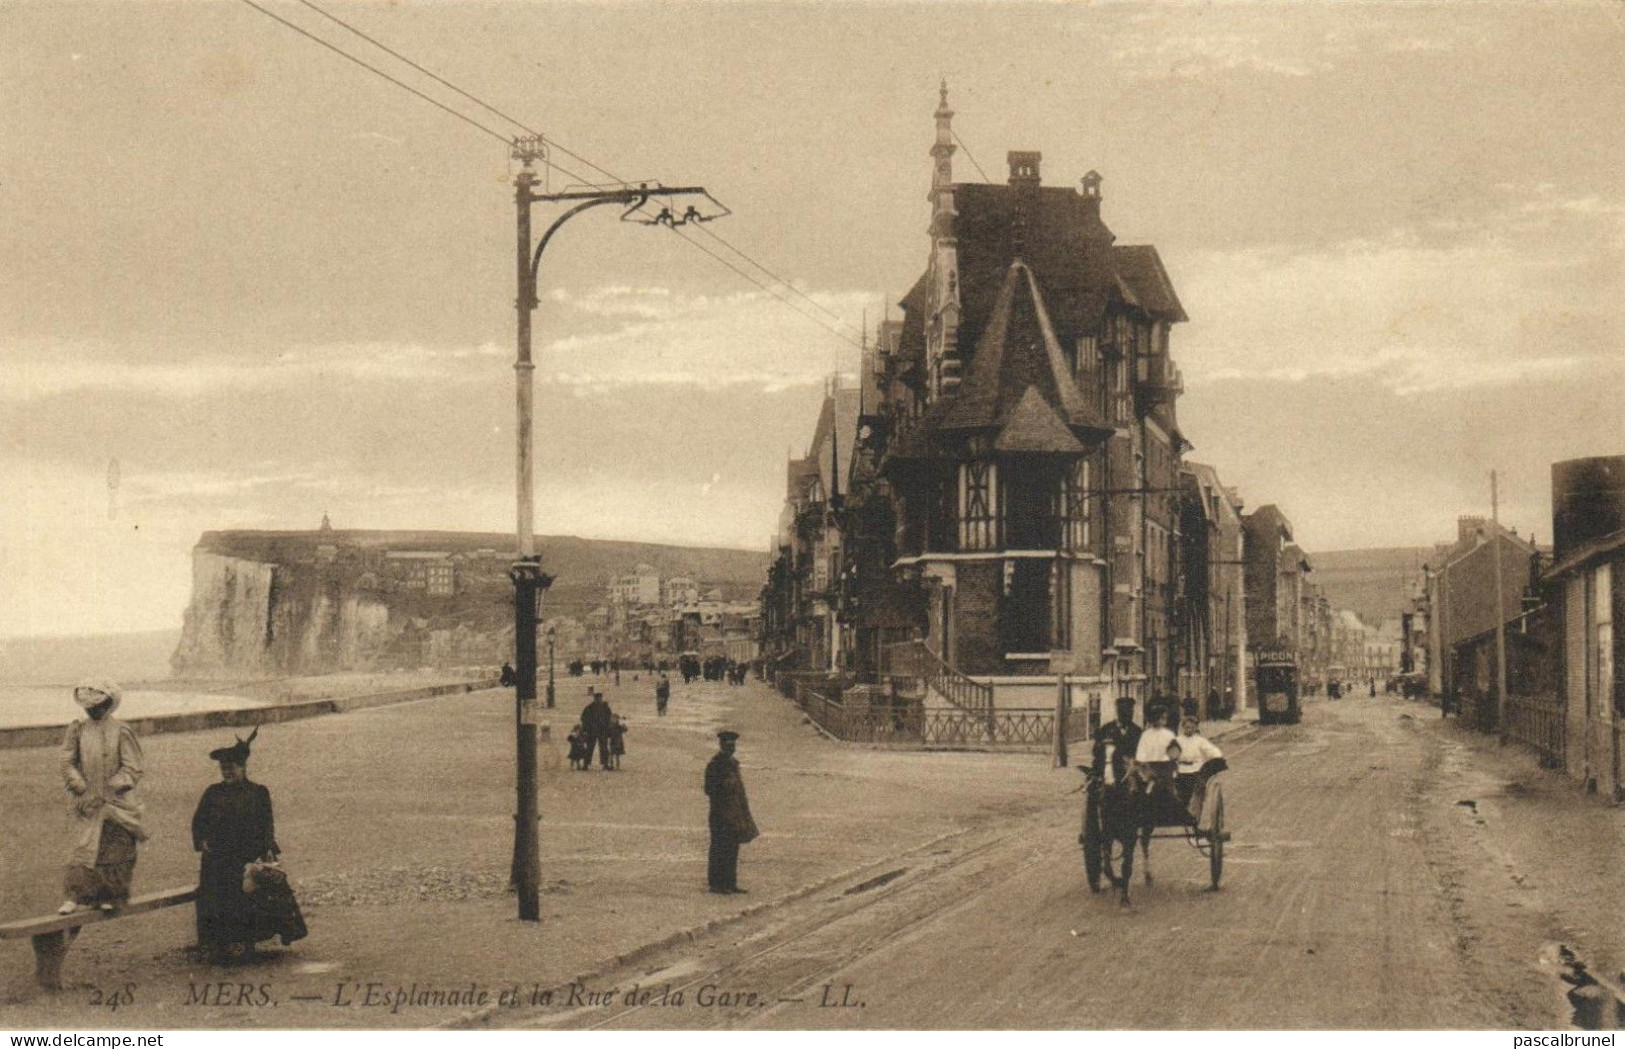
906, 721
1538, 722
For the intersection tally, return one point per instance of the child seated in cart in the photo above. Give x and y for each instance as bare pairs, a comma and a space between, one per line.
1198, 761
1155, 760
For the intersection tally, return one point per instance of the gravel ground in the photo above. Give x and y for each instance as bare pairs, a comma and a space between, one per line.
396, 828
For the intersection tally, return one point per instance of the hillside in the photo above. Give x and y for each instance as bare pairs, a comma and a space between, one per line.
1374, 583
313, 602
581, 567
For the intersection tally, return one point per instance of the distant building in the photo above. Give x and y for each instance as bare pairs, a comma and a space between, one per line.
1211, 606
679, 590
641, 586
431, 571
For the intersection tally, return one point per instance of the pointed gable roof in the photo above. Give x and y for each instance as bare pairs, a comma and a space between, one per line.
1062, 238
1142, 281
837, 424
1033, 426
1018, 353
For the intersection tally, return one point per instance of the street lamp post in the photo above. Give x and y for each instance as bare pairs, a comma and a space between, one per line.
528, 578
552, 635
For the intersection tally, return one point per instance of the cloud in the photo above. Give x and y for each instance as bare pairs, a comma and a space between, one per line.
619, 335
1189, 56
1251, 37
672, 339
1524, 294
35, 368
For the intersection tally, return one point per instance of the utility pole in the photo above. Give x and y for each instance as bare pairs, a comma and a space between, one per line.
528, 578
526, 573
1500, 614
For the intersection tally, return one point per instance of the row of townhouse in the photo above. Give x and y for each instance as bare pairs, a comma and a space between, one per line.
1007, 486
648, 618
1556, 639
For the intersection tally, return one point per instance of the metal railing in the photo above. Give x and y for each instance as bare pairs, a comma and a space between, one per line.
906, 721
1538, 722
912, 659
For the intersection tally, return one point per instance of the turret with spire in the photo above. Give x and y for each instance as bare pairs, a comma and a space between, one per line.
942, 333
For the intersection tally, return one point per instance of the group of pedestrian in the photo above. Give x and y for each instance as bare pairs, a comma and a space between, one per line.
600, 729
243, 896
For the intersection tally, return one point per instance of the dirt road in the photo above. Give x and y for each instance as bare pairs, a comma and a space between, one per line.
1341, 907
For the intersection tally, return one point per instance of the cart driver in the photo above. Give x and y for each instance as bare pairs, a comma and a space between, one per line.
1124, 737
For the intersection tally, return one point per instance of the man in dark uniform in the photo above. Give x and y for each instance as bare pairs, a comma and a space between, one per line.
596, 720
731, 823
1123, 734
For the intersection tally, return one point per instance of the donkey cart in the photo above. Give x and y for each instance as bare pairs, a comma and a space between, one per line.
1117, 814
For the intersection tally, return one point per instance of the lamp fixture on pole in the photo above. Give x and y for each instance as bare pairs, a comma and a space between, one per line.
528, 579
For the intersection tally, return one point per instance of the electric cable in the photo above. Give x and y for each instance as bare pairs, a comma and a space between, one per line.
549, 161
398, 83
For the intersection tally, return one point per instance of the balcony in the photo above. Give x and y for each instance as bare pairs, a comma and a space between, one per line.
1157, 380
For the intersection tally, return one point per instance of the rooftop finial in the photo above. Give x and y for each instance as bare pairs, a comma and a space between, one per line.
943, 91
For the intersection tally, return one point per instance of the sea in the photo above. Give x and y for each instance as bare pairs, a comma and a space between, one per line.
38, 674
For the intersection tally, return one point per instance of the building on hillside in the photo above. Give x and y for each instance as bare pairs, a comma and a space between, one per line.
641, 586
679, 590
1210, 617
431, 571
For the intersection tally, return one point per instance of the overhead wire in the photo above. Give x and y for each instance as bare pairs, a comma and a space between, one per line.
555, 145
970, 156
398, 83
515, 121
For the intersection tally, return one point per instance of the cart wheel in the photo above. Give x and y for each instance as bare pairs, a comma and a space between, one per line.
1215, 844
1093, 859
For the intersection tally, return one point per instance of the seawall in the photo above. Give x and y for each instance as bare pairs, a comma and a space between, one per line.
196, 721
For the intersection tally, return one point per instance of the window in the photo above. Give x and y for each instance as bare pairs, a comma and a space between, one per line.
1602, 591
1075, 501
977, 520
1085, 356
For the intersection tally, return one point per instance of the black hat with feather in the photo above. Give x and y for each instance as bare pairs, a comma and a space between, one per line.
237, 753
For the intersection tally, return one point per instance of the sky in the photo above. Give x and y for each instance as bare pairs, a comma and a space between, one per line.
254, 283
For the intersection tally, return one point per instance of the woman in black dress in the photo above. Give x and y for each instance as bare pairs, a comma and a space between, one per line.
232, 828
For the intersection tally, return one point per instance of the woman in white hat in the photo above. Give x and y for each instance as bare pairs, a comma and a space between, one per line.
101, 765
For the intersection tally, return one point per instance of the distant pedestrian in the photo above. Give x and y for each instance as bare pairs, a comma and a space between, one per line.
101, 765
617, 741
509, 678
579, 754
596, 719
730, 820
662, 695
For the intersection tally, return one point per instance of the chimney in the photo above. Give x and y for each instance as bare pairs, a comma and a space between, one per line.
1024, 168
